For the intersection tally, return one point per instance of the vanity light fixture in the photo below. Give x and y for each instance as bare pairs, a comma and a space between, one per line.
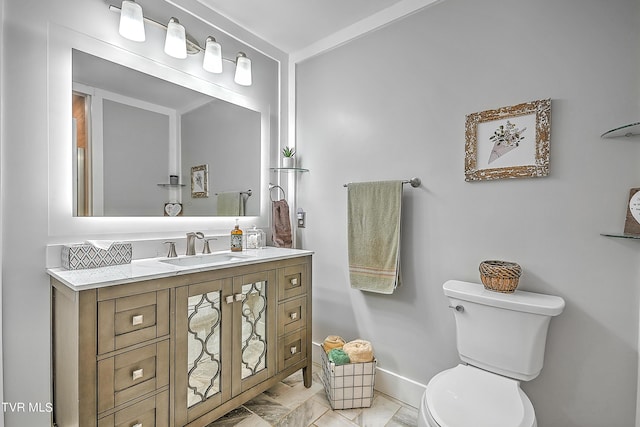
175, 44
132, 21
212, 56
178, 44
243, 70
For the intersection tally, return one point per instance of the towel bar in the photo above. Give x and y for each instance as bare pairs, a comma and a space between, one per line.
248, 192
415, 182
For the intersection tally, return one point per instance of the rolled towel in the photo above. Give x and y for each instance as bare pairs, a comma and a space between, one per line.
359, 351
339, 357
331, 342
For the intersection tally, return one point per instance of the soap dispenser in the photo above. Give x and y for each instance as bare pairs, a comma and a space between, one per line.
236, 238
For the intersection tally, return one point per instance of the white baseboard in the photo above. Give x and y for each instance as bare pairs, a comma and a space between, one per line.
400, 388
403, 389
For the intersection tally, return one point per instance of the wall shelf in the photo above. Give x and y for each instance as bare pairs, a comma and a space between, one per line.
629, 130
171, 185
626, 131
621, 236
289, 170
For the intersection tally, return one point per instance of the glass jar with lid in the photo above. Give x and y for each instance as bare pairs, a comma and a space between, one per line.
255, 238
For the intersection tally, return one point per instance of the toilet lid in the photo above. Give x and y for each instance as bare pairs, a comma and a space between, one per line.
467, 396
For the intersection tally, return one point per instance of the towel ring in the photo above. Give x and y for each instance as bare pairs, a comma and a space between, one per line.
271, 187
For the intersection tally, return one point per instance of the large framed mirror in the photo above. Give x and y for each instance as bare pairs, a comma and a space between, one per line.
243, 168
144, 146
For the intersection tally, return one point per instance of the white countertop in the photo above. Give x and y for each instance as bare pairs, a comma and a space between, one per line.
153, 268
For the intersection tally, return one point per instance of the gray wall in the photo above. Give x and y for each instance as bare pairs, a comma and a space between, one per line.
136, 145
392, 105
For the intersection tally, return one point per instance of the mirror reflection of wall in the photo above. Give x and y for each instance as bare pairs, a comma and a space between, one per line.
210, 132
132, 131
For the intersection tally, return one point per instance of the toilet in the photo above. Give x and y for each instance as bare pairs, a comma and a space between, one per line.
501, 340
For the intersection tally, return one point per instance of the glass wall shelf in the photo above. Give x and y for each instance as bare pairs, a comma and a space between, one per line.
632, 129
621, 236
289, 170
171, 185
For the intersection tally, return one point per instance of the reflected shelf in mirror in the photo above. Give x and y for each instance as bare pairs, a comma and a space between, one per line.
289, 170
621, 236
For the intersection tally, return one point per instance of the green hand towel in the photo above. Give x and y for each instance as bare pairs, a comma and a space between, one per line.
373, 233
229, 204
339, 357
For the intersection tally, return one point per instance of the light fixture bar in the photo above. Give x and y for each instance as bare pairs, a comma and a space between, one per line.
243, 72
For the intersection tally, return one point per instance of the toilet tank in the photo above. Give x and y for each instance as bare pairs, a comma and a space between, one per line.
502, 333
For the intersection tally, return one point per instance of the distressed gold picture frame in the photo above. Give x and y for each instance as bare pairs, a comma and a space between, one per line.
200, 181
508, 142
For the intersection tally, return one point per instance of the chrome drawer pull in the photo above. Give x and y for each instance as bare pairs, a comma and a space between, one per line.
137, 425
294, 281
293, 315
239, 297
137, 320
138, 373
294, 350
229, 299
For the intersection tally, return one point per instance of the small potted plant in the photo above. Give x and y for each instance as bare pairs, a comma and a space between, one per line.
287, 157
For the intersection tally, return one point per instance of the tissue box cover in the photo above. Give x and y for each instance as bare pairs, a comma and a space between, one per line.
79, 256
348, 386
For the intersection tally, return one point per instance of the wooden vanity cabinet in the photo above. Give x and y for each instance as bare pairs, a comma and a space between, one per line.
179, 351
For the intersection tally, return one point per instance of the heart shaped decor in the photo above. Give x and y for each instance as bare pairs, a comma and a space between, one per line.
173, 209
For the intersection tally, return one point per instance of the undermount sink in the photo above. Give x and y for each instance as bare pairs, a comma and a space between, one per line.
206, 259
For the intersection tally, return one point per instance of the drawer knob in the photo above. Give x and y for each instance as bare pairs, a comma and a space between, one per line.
294, 281
138, 373
293, 315
294, 349
137, 320
137, 425
229, 299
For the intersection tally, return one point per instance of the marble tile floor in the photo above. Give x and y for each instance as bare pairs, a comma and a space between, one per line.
290, 404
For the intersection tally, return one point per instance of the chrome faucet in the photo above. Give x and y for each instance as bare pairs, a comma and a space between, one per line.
172, 249
191, 242
206, 249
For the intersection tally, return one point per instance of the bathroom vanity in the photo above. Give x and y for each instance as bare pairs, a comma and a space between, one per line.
177, 341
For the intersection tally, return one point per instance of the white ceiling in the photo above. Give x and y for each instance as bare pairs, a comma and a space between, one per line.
293, 25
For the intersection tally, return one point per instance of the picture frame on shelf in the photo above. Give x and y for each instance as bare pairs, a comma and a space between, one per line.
508, 142
632, 222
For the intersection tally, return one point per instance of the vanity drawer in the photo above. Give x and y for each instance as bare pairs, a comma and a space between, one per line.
151, 412
126, 376
292, 315
133, 319
292, 349
292, 281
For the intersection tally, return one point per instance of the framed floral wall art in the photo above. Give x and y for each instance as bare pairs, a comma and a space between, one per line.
200, 181
509, 142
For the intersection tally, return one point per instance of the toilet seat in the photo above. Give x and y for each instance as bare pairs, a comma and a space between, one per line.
467, 396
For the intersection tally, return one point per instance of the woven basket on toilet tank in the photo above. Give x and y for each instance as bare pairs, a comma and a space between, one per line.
500, 276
